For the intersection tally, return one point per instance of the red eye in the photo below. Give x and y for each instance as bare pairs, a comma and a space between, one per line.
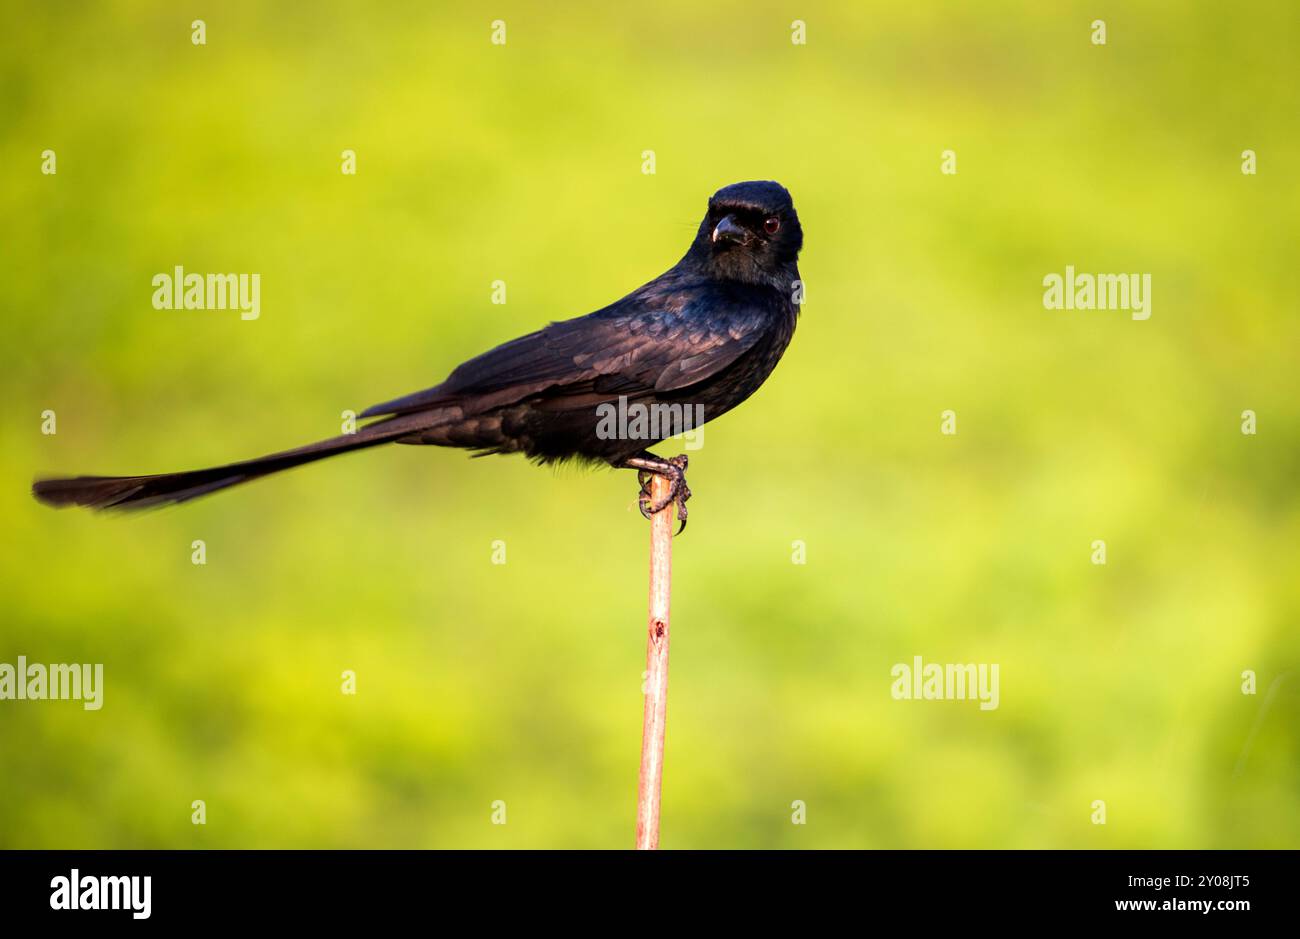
772, 225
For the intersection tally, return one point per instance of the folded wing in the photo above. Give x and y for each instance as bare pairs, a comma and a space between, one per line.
645, 344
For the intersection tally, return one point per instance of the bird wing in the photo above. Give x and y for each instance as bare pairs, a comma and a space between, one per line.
661, 342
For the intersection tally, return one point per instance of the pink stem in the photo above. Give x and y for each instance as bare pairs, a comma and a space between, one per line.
656, 662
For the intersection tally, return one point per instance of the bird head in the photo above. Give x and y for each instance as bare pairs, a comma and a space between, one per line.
750, 233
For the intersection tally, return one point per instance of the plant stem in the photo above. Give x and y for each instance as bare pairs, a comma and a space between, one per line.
650, 783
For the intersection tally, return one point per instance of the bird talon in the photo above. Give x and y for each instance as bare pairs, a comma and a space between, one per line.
681, 517
643, 502
674, 470
651, 508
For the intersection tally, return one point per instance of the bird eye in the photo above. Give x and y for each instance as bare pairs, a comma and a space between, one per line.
772, 225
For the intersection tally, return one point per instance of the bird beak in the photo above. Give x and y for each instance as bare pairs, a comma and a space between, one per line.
730, 230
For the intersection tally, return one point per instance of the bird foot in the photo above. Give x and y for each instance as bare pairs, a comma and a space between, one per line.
674, 470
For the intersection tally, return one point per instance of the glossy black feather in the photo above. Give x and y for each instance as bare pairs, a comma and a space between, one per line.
706, 334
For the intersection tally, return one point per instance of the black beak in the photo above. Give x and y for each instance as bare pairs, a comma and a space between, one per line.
730, 230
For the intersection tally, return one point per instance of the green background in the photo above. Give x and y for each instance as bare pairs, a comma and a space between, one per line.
521, 682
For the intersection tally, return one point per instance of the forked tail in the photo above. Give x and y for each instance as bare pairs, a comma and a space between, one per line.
141, 492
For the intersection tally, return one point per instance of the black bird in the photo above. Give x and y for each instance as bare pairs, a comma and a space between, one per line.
702, 337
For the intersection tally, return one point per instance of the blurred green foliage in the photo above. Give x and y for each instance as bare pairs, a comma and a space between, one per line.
520, 682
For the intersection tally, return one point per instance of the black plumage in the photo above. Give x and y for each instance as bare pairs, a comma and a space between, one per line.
704, 334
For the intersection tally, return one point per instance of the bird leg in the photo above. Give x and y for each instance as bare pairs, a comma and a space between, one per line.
674, 470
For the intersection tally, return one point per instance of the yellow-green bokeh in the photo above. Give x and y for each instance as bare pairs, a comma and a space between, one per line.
521, 682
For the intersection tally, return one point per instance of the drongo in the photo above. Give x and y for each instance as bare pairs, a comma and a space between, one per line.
702, 337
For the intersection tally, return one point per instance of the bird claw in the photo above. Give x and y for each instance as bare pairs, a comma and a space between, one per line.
678, 491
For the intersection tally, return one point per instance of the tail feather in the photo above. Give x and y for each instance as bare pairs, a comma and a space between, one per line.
136, 492
141, 492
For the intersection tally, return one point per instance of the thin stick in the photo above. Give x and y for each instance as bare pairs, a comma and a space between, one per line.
656, 663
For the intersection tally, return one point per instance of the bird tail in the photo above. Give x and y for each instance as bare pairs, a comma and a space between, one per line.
141, 492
